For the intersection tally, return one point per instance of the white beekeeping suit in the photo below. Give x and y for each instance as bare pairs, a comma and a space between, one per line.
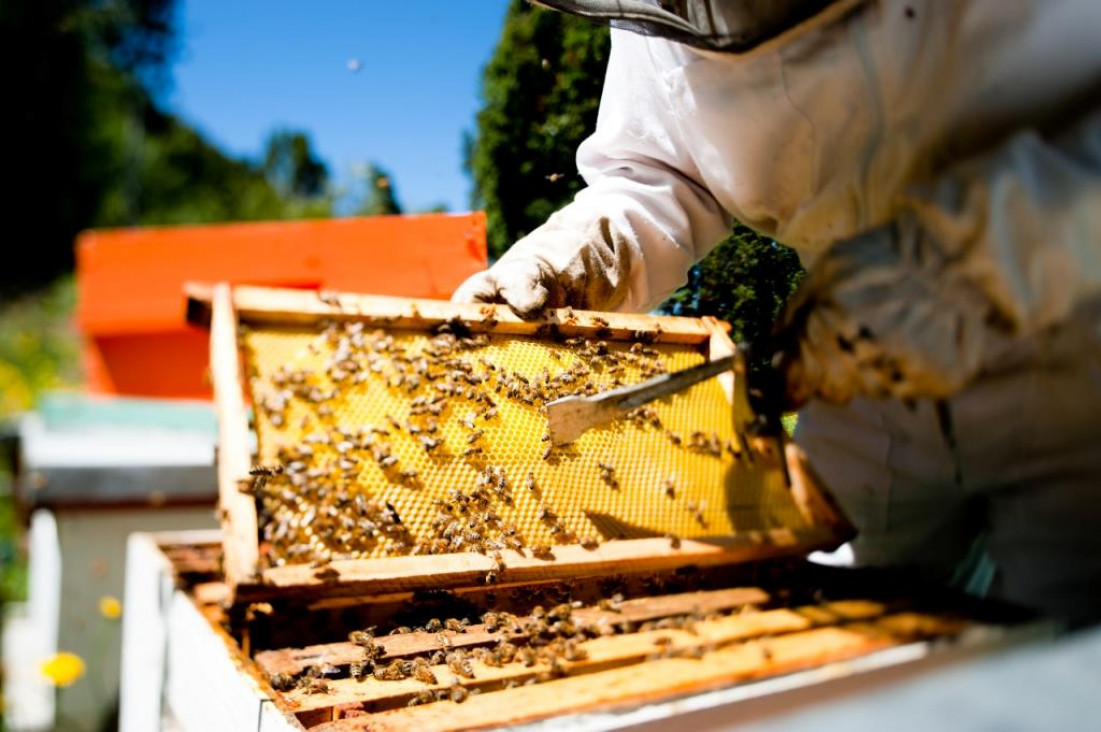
937, 166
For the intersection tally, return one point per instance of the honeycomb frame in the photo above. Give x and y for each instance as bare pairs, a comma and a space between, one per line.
286, 319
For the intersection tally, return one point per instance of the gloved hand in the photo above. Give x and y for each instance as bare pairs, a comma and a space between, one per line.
557, 265
881, 315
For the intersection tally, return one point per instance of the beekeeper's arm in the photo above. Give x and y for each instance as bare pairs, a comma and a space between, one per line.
1002, 246
627, 240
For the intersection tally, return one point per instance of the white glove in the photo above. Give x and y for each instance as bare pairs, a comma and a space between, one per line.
1003, 247
556, 266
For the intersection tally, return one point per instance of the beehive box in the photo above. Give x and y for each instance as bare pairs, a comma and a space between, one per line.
643, 563
401, 444
690, 648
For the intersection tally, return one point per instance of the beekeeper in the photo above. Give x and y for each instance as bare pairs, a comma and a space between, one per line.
938, 168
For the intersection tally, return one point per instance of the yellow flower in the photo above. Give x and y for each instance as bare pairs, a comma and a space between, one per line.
63, 668
110, 607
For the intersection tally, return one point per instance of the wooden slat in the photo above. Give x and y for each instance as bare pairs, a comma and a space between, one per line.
658, 678
238, 514
388, 574
719, 345
259, 305
602, 653
296, 660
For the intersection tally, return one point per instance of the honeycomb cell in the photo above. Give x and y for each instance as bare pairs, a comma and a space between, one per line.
371, 408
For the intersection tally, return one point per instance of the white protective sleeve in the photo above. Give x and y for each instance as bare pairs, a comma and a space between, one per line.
627, 240
640, 174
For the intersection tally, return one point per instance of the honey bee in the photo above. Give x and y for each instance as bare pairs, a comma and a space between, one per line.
669, 487
597, 320
359, 670
424, 674
472, 451
696, 510
530, 482
395, 671
457, 693
313, 686
282, 682
589, 543
424, 697
674, 540
542, 551
474, 436
455, 625
459, 665
429, 443
433, 626
492, 577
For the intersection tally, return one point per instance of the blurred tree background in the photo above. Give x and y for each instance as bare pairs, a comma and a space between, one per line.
540, 94
90, 147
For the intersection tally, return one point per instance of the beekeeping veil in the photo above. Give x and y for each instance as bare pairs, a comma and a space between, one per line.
716, 25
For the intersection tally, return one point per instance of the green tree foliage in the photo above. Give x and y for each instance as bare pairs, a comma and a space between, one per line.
87, 145
291, 165
381, 198
745, 281
540, 93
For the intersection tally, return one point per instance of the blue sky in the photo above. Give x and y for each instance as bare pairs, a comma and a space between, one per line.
249, 66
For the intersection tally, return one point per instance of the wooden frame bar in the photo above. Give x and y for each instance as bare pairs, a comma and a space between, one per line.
223, 309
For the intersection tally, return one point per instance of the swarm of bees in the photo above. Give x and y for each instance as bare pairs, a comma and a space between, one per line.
547, 640
313, 504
